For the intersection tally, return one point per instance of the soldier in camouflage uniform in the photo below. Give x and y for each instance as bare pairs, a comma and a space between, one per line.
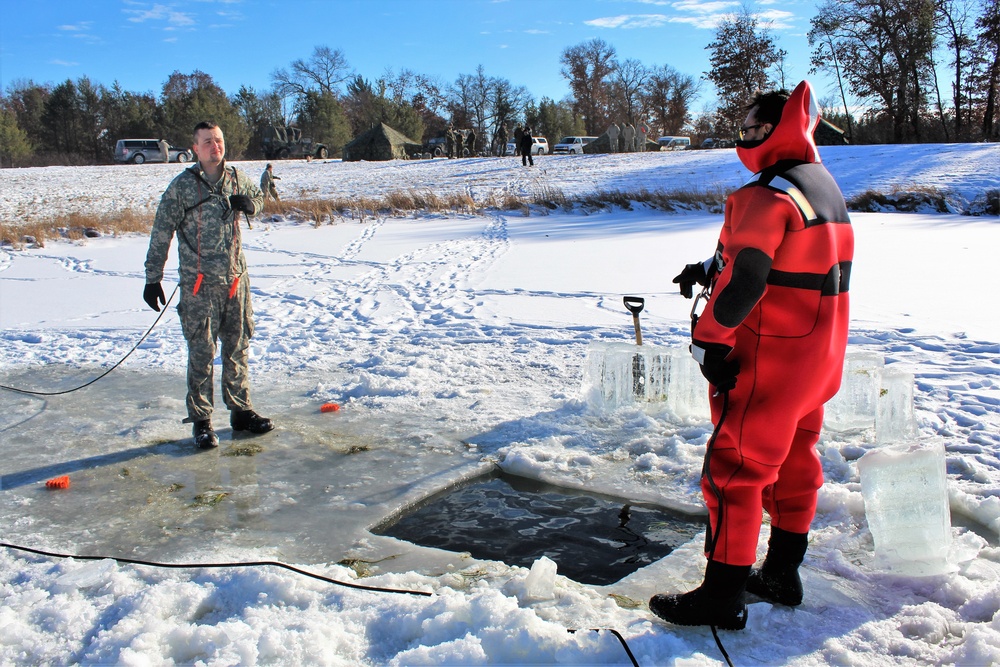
449, 141
202, 206
267, 185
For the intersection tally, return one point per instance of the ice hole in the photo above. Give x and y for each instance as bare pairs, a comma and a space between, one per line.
594, 539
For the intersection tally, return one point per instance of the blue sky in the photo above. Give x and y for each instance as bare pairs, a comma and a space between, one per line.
139, 43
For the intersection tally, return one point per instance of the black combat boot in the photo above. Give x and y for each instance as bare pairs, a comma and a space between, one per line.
204, 436
778, 580
248, 420
718, 601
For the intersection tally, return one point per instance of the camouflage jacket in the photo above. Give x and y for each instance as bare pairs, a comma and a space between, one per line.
207, 228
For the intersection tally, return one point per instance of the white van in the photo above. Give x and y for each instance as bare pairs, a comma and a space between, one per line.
674, 143
571, 145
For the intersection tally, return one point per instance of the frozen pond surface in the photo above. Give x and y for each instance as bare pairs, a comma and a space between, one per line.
304, 493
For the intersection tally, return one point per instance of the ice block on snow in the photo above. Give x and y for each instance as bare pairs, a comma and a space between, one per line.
894, 419
906, 503
856, 403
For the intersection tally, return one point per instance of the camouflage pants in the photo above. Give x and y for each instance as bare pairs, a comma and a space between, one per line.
206, 317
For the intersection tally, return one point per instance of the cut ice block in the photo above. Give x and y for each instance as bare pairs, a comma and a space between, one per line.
620, 374
906, 503
687, 388
894, 420
541, 579
855, 405
613, 376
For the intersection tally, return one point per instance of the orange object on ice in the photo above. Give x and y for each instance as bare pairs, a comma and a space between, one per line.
329, 407
58, 482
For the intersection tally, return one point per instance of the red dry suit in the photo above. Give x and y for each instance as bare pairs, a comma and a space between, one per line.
779, 300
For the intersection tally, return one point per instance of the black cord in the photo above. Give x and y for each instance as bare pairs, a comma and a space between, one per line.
621, 640
163, 311
306, 573
193, 566
714, 537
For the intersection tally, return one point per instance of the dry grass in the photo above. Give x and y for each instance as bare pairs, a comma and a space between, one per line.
73, 227
319, 211
900, 198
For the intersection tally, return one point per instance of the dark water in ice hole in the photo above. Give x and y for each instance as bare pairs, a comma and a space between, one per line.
593, 539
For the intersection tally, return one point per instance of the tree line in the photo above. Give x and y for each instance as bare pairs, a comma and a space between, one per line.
886, 56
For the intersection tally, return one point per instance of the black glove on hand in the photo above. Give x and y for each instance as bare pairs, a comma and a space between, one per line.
692, 273
718, 370
153, 295
241, 203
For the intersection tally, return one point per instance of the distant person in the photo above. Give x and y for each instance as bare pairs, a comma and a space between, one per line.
502, 140
771, 342
526, 143
628, 137
613, 133
518, 133
642, 138
449, 141
470, 142
201, 208
164, 149
267, 185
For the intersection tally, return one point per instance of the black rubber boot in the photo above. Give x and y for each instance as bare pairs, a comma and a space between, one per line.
718, 601
778, 579
248, 420
204, 436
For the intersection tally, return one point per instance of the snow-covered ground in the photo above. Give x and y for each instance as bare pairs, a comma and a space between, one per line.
453, 343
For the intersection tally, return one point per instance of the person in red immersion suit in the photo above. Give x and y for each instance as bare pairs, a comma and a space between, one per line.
771, 342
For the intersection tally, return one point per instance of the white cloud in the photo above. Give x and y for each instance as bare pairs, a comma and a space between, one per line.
628, 21
160, 13
711, 7
83, 26
63, 63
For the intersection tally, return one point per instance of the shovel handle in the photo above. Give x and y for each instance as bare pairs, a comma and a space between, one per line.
634, 304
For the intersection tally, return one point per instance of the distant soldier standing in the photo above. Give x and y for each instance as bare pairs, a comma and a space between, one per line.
267, 186
201, 206
628, 137
449, 141
470, 142
525, 146
502, 139
164, 149
613, 132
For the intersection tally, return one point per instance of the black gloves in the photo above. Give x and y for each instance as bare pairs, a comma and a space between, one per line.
152, 294
693, 273
718, 370
241, 203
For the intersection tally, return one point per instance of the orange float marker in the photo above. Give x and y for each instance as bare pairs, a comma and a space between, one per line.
58, 482
329, 407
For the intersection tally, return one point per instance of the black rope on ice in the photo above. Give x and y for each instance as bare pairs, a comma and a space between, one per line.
621, 640
102, 375
714, 538
194, 566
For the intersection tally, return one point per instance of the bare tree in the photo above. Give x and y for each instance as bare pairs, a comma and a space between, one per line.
954, 21
884, 47
627, 81
588, 67
325, 70
667, 98
988, 50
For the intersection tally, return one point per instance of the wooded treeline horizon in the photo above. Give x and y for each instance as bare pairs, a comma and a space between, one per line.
888, 56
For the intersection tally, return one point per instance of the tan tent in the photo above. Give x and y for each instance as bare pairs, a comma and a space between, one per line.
380, 143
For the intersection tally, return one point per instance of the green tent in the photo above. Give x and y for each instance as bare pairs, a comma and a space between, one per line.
380, 143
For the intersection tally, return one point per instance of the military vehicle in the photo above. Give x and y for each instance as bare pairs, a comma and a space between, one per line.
280, 143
